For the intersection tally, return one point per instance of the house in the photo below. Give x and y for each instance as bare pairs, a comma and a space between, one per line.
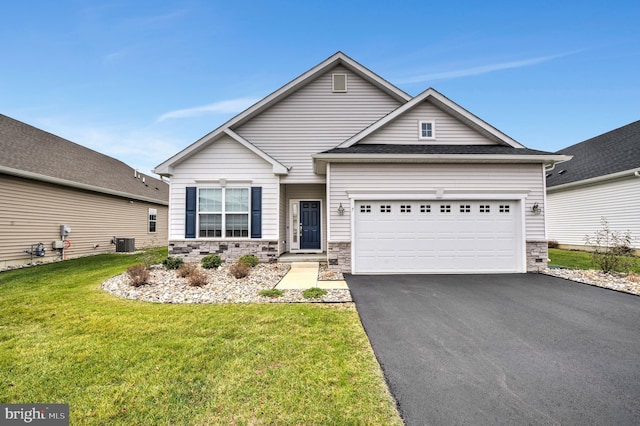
47, 182
601, 181
342, 163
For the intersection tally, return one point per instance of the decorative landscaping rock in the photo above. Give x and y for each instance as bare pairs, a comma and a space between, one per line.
619, 282
166, 287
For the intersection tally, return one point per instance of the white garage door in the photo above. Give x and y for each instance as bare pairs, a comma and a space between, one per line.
437, 236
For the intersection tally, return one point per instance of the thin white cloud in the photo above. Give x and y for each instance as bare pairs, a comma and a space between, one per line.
230, 106
482, 69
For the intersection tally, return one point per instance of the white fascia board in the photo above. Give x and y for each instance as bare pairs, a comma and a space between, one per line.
320, 160
594, 180
463, 113
277, 96
278, 168
78, 185
438, 194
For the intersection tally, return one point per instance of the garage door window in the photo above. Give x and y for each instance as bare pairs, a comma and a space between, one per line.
425, 208
465, 208
445, 208
504, 208
385, 208
365, 208
485, 208
405, 208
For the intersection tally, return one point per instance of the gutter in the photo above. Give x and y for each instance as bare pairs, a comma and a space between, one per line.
320, 160
78, 185
597, 179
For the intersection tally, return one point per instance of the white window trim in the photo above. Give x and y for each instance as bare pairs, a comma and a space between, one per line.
333, 82
433, 130
149, 220
223, 213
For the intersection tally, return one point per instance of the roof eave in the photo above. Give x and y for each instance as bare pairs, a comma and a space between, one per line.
598, 179
78, 185
320, 160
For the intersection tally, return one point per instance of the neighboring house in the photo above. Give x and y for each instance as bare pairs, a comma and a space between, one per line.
340, 161
47, 182
601, 181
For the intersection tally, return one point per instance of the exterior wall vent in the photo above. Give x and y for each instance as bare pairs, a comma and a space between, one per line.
339, 83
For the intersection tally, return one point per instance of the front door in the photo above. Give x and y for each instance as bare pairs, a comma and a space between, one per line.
310, 225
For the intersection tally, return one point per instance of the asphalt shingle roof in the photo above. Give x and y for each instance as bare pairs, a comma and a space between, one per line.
434, 149
611, 152
26, 148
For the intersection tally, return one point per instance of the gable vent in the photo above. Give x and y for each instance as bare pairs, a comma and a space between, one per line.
339, 83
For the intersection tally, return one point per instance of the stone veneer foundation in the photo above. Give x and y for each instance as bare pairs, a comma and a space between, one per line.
537, 255
339, 256
229, 251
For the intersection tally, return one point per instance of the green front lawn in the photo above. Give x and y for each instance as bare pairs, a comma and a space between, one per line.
116, 361
579, 260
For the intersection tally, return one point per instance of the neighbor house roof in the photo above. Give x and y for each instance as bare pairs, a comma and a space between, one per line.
608, 154
28, 152
389, 153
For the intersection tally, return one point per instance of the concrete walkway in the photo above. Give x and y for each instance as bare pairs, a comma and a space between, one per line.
303, 275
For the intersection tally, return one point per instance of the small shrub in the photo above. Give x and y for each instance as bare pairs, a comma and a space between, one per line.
239, 270
313, 293
249, 259
186, 269
272, 292
138, 275
553, 244
198, 278
611, 248
211, 261
173, 262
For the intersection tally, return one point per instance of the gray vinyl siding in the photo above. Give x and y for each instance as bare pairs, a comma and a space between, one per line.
424, 177
305, 192
575, 212
224, 159
315, 119
32, 212
448, 129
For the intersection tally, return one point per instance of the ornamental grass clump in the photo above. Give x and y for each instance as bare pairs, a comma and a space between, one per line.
272, 293
186, 269
198, 278
138, 275
611, 248
314, 293
239, 270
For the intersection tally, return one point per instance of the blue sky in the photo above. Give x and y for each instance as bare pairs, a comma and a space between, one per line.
141, 80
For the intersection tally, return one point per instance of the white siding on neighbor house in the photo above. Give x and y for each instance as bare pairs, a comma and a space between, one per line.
314, 119
448, 129
224, 159
32, 212
305, 192
429, 177
575, 212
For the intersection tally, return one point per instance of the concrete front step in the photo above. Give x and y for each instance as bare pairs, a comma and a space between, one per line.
302, 257
303, 275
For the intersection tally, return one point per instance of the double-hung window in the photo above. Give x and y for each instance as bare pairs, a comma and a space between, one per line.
223, 212
153, 220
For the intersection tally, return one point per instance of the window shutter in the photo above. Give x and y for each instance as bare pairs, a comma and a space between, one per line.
190, 213
256, 212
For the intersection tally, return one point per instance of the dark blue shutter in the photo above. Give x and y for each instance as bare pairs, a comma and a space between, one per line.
256, 212
190, 213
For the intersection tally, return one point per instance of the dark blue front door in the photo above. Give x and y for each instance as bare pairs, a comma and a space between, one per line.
310, 220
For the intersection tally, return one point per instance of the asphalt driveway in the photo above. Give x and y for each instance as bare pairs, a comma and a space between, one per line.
504, 349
